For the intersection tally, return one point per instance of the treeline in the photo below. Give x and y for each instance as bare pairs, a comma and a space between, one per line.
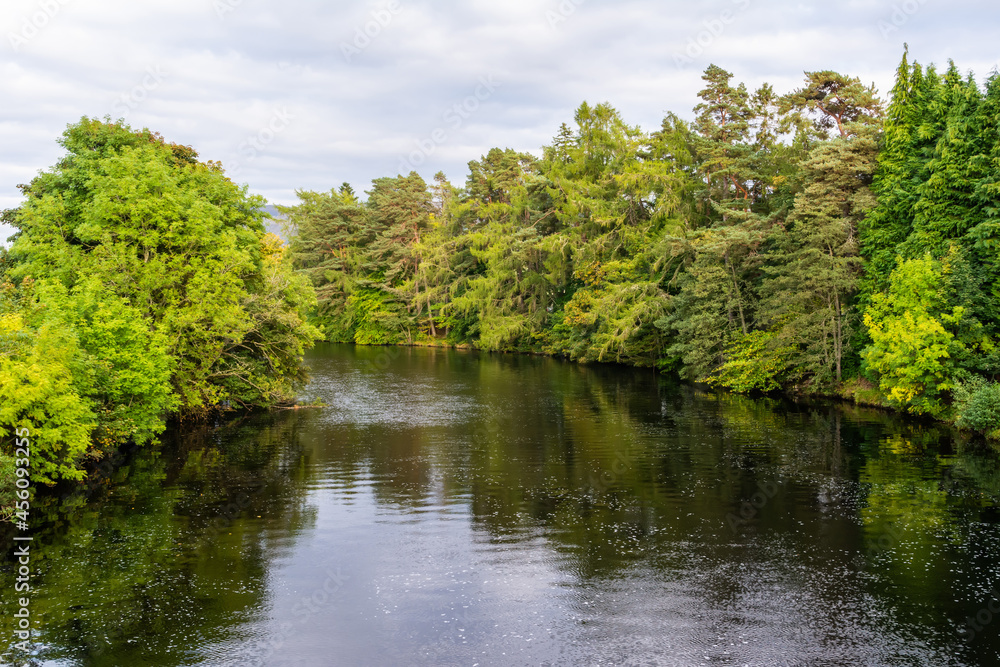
816, 241
140, 285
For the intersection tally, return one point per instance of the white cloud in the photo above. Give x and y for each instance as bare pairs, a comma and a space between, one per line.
224, 77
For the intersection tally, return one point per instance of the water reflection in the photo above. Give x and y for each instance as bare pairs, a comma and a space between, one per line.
458, 508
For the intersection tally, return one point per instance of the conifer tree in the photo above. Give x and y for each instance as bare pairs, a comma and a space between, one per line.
815, 266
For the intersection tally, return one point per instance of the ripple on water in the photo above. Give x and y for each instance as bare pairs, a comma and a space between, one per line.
362, 399
505, 510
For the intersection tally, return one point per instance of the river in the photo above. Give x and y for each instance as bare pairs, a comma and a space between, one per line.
458, 508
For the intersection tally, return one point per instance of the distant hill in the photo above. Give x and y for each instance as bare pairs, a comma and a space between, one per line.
274, 226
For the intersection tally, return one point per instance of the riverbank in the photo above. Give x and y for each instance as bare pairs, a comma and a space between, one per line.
856, 391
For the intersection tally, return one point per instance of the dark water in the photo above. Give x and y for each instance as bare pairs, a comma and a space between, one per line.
452, 508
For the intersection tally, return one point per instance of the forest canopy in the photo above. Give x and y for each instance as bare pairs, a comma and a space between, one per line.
818, 240
140, 285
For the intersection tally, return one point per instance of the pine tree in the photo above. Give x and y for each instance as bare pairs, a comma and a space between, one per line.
945, 207
330, 234
834, 101
723, 127
910, 137
983, 240
815, 266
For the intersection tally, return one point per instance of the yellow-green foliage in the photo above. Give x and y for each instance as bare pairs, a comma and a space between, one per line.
753, 362
914, 345
39, 390
145, 285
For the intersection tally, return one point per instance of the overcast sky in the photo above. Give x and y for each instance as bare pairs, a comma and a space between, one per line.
304, 94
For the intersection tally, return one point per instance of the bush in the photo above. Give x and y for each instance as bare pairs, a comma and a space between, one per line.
977, 404
8, 475
754, 362
913, 343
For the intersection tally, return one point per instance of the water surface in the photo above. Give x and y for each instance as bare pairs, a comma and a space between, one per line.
455, 508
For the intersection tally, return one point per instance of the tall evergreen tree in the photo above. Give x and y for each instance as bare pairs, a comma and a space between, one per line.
908, 143
330, 236
945, 207
815, 266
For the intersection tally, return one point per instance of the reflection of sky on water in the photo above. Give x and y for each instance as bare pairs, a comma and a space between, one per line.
429, 585
462, 509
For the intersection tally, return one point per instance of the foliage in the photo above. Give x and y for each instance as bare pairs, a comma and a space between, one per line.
977, 405
753, 362
42, 388
145, 286
814, 266
835, 101
375, 321
776, 241
914, 347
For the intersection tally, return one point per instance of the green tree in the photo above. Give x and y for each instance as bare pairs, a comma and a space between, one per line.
43, 377
835, 101
329, 239
149, 286
814, 266
717, 297
945, 206
921, 343
909, 139
724, 133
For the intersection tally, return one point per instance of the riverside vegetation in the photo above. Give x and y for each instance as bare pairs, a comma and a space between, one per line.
140, 286
816, 241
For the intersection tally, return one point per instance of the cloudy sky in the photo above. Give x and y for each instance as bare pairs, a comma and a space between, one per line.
305, 94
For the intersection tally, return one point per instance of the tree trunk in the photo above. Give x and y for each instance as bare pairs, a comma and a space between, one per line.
838, 342
430, 314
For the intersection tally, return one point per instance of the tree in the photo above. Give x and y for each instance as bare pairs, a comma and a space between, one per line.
155, 286
717, 298
41, 380
330, 235
945, 207
908, 142
921, 343
815, 266
983, 240
723, 127
400, 209
835, 100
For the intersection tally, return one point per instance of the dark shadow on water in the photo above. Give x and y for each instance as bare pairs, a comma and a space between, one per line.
456, 507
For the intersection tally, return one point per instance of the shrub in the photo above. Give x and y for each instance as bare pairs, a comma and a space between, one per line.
754, 361
977, 404
8, 475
